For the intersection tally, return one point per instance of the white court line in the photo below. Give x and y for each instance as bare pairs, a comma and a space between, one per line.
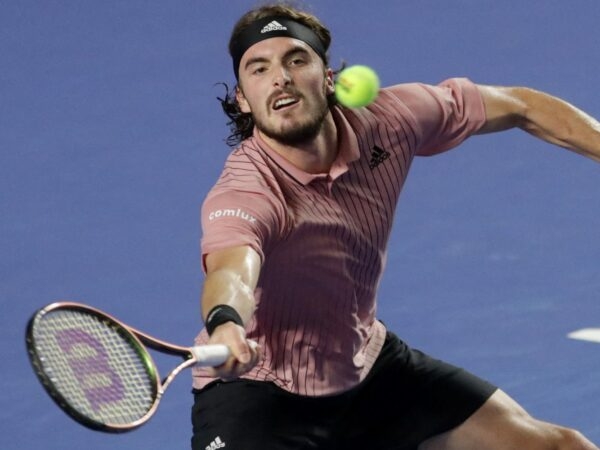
586, 334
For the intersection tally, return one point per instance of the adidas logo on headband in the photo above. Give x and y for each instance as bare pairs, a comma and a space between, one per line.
269, 27
273, 26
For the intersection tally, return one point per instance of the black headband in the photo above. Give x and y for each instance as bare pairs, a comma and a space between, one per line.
270, 27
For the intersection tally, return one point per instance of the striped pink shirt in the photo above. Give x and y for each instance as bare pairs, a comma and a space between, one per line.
322, 238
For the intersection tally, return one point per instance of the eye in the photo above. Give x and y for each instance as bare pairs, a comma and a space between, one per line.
257, 70
297, 61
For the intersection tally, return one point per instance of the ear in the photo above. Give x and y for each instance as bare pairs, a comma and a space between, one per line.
329, 82
241, 99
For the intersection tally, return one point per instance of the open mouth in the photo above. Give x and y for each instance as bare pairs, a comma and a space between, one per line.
285, 102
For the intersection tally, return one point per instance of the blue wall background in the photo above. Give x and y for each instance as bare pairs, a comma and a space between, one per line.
110, 136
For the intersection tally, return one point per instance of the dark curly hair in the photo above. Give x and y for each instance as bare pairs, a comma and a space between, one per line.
241, 124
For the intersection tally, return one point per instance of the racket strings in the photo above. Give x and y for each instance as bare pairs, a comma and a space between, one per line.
95, 366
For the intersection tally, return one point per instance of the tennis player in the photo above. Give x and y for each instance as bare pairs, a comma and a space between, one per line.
294, 244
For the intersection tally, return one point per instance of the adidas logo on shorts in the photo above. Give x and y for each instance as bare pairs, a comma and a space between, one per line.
215, 444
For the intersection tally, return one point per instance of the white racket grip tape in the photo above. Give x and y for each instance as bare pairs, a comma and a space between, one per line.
210, 355
213, 355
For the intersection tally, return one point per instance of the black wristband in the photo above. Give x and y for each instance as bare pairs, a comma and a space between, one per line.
219, 315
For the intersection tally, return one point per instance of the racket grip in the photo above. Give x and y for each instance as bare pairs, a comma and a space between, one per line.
210, 355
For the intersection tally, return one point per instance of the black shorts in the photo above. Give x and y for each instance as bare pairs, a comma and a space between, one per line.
406, 398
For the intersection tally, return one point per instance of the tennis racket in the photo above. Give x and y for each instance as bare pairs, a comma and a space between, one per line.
98, 370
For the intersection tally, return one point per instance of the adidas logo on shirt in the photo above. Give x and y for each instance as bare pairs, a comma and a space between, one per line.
378, 156
273, 26
217, 443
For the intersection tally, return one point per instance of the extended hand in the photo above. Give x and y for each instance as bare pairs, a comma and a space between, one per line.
245, 353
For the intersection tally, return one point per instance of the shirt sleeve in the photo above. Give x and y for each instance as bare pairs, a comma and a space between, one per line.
235, 218
445, 114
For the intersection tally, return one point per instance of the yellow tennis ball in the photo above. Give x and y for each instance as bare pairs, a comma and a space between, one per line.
357, 86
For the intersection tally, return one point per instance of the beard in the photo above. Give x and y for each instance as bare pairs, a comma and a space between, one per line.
300, 132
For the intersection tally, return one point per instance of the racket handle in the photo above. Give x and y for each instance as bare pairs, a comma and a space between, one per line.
213, 355
210, 355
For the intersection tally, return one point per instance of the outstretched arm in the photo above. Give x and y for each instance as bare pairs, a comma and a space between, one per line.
542, 115
231, 277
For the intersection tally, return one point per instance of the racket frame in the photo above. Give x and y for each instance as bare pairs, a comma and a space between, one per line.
140, 341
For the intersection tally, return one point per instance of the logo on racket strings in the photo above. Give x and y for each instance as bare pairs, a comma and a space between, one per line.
90, 365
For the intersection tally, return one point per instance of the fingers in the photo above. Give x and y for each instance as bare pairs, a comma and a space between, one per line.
245, 354
243, 358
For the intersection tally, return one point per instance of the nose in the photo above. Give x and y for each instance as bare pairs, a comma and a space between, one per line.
282, 77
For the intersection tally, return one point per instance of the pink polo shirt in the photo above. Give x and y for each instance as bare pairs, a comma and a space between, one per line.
322, 238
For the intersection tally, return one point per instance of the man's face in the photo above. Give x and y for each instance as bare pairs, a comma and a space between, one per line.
285, 85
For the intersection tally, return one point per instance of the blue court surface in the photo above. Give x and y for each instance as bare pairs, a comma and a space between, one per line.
111, 135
